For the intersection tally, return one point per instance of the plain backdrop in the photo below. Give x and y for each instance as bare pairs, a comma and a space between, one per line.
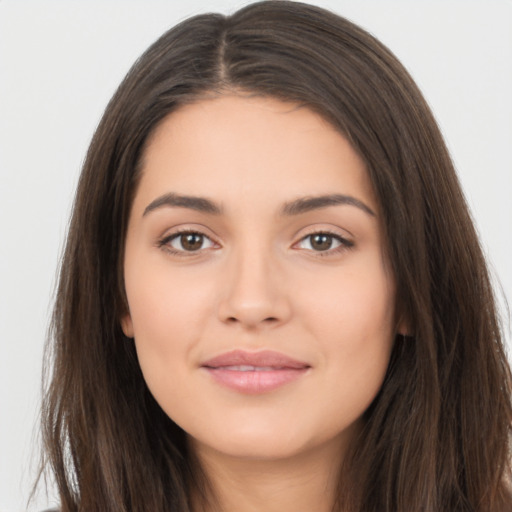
60, 62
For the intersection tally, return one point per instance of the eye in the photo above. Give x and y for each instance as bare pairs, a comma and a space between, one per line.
324, 242
186, 241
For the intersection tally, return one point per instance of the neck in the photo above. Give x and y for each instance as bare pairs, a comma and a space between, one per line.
300, 483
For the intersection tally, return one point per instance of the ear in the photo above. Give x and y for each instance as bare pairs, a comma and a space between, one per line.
127, 325
403, 327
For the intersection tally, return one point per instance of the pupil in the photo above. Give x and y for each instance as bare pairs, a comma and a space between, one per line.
191, 241
321, 242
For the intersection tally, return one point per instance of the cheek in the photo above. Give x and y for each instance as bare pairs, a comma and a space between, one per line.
162, 301
168, 312
353, 323
355, 305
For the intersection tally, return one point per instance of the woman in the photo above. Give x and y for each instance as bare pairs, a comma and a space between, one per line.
272, 295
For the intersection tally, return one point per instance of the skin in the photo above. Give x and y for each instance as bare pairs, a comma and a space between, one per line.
257, 281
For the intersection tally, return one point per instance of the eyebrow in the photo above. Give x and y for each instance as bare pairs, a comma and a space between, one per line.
306, 204
295, 207
200, 204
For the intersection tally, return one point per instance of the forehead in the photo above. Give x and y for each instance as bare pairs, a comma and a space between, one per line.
264, 149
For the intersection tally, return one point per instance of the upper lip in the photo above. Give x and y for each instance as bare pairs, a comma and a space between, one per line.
263, 358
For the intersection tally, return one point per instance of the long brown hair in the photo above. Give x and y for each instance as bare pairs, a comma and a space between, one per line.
436, 438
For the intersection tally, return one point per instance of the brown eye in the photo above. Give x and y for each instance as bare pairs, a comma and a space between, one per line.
189, 241
324, 242
321, 241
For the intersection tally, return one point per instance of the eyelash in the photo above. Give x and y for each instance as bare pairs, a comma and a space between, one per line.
164, 243
344, 244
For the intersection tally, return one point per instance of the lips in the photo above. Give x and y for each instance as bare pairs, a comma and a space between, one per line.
254, 372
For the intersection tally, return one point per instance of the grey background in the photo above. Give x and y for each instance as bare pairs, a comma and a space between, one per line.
60, 62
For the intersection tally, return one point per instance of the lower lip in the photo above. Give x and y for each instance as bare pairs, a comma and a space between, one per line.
255, 382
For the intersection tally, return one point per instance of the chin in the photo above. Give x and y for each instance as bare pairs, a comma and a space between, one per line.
270, 442
257, 448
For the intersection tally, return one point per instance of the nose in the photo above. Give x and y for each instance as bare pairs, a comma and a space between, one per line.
253, 292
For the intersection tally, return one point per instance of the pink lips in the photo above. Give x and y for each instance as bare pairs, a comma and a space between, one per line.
254, 372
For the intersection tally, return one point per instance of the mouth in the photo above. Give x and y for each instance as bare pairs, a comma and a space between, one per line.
254, 372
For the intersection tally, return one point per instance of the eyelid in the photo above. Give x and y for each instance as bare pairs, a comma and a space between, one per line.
163, 242
327, 228
344, 242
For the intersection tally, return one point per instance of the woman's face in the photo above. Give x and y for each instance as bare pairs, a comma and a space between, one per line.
259, 297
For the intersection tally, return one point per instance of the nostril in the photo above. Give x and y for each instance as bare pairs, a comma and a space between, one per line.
268, 320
